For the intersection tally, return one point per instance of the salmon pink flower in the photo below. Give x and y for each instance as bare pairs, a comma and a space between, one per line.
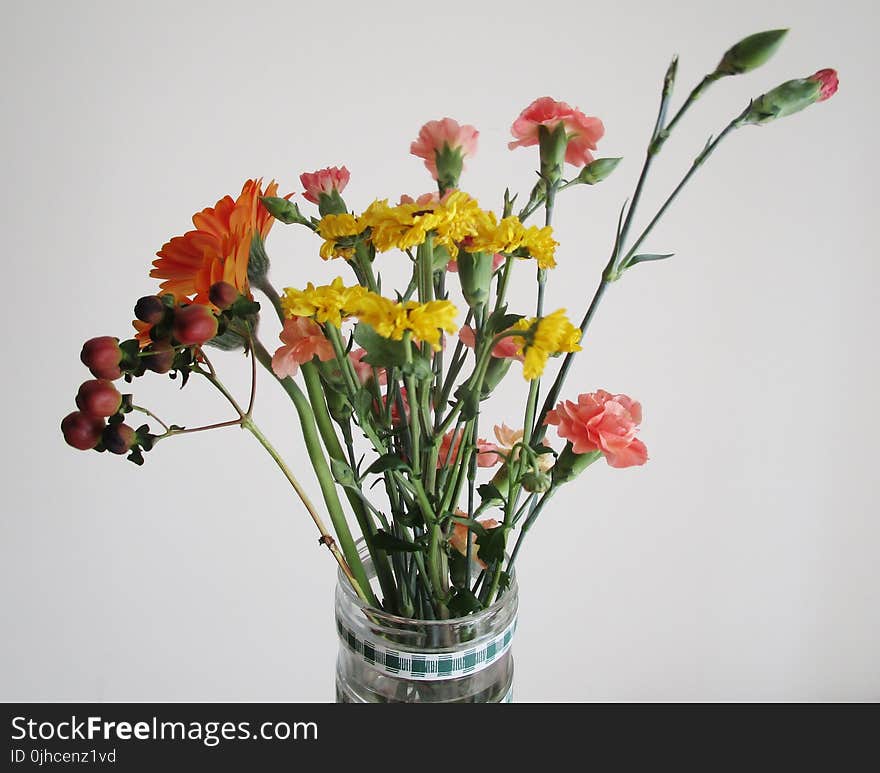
507, 348
582, 131
451, 443
423, 200
303, 340
508, 437
600, 421
363, 370
461, 534
444, 145
324, 182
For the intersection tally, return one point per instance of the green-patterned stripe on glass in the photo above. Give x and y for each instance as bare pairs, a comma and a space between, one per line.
428, 665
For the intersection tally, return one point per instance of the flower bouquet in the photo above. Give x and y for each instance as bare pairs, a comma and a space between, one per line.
388, 383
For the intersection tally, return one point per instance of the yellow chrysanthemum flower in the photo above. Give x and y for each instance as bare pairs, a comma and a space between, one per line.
334, 227
541, 245
551, 335
426, 320
325, 304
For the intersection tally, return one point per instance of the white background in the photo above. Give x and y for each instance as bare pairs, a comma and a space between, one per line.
740, 563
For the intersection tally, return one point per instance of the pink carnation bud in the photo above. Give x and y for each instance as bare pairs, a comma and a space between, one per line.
583, 131
451, 443
827, 79
325, 181
445, 138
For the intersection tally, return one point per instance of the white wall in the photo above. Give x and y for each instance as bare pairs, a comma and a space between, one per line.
740, 563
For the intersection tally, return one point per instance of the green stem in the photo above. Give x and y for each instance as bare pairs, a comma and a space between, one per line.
380, 559
322, 471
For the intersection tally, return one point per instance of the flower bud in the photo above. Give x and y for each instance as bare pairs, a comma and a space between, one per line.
119, 438
159, 357
495, 372
536, 481
791, 97
223, 295
98, 397
569, 464
81, 430
598, 170
102, 356
475, 274
150, 309
750, 52
194, 325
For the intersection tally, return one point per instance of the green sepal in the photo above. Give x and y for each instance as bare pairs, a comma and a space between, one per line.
331, 204
787, 98
450, 162
258, 261
569, 464
475, 275
136, 456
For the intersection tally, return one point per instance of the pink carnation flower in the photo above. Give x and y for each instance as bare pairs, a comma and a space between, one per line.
600, 421
424, 200
486, 456
507, 347
583, 131
303, 340
363, 370
434, 135
325, 181
828, 81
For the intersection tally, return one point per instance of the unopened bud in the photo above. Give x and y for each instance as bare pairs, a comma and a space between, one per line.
475, 274
792, 97
536, 482
150, 309
750, 52
598, 170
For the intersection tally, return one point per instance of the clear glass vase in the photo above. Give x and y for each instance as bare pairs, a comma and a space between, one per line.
388, 659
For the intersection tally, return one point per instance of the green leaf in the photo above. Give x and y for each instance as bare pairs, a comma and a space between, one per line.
388, 542
503, 582
645, 258
136, 456
464, 602
500, 320
488, 492
419, 368
381, 352
491, 544
387, 462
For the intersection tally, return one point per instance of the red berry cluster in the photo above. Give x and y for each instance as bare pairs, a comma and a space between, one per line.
175, 331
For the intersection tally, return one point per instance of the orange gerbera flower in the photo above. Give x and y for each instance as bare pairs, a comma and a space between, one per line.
219, 248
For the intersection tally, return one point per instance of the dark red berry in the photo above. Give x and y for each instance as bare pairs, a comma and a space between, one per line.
158, 357
194, 325
81, 430
150, 309
223, 295
102, 356
119, 438
98, 398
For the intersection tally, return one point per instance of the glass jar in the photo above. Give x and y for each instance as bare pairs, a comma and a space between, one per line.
389, 659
